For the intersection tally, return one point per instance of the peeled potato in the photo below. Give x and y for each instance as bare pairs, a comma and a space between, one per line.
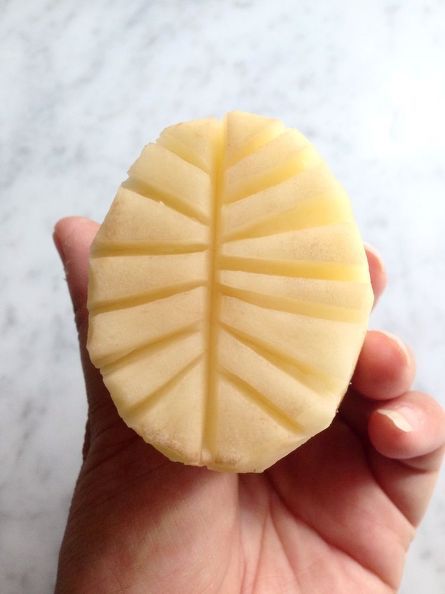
229, 293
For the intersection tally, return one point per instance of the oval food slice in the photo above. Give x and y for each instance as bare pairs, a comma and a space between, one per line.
229, 293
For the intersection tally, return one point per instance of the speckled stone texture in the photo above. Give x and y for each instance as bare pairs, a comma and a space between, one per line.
85, 84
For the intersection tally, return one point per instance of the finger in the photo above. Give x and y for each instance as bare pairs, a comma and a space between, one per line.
73, 237
376, 272
408, 427
408, 438
385, 367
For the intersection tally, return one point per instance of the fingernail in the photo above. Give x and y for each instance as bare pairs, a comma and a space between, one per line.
402, 346
379, 282
403, 418
374, 252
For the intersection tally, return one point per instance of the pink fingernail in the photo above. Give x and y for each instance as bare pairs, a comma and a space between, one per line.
375, 253
398, 418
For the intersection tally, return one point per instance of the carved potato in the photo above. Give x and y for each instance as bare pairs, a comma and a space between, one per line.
229, 293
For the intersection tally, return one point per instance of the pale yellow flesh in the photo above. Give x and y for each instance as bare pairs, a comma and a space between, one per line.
229, 293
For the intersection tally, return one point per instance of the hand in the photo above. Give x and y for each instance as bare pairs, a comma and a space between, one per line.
337, 515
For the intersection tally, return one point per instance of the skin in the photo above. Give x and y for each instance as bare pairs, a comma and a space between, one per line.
337, 515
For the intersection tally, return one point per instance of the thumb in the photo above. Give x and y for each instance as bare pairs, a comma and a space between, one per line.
73, 237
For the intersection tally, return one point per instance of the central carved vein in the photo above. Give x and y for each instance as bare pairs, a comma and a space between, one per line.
213, 302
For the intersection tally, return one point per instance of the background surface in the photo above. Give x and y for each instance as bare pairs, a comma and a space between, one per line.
83, 85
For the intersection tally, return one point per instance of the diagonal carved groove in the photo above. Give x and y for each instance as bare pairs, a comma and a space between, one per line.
296, 268
316, 212
279, 174
143, 298
114, 363
109, 250
177, 148
173, 202
260, 400
295, 306
150, 400
303, 373
270, 132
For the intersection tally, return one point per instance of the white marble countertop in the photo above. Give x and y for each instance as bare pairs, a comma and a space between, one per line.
83, 85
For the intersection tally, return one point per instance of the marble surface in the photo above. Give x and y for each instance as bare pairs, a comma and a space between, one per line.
83, 85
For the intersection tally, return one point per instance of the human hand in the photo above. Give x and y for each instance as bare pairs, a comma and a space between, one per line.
337, 515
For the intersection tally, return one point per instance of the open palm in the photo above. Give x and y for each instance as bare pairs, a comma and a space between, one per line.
336, 516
